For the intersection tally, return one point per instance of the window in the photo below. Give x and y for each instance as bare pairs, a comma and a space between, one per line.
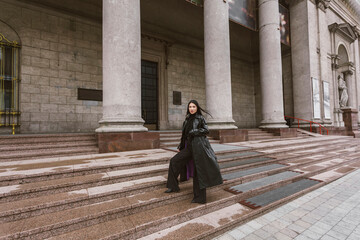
9, 83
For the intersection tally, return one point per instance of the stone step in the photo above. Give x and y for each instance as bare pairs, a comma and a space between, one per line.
199, 226
28, 171
169, 144
272, 156
259, 133
32, 154
246, 187
251, 138
287, 164
206, 228
172, 139
53, 186
166, 144
110, 189
307, 133
45, 138
29, 146
250, 171
36, 146
140, 223
170, 134
255, 130
288, 142
72, 167
134, 225
123, 173
136, 208
71, 222
21, 191
278, 193
29, 207
210, 225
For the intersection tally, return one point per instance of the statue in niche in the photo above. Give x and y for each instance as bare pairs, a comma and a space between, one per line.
343, 94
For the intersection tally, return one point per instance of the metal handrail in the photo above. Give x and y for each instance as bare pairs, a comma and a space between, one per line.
311, 122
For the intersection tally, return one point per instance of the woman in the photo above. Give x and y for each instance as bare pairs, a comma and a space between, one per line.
194, 145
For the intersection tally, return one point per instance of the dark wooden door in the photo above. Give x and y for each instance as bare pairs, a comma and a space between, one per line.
149, 94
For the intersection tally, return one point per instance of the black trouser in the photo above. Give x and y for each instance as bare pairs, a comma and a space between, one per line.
177, 164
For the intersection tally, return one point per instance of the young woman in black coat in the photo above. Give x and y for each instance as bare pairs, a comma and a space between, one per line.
195, 145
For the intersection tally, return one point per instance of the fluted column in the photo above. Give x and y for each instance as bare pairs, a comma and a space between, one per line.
217, 64
270, 65
121, 67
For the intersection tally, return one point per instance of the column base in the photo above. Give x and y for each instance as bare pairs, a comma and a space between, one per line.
283, 132
218, 125
229, 135
281, 124
350, 117
121, 126
127, 141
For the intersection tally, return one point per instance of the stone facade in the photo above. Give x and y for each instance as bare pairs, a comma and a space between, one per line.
59, 54
185, 74
243, 93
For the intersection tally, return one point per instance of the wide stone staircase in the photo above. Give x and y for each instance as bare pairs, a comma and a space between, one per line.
260, 134
35, 146
121, 195
172, 139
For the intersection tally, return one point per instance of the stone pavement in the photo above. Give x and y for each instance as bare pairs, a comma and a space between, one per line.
331, 212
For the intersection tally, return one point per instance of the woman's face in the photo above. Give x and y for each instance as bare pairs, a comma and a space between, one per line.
192, 108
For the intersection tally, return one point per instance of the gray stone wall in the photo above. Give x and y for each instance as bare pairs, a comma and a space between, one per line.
186, 74
243, 93
258, 99
59, 54
287, 85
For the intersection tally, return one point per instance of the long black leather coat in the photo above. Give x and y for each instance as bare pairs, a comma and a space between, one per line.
204, 157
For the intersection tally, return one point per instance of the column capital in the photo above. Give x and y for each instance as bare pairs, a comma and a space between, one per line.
334, 61
348, 72
323, 4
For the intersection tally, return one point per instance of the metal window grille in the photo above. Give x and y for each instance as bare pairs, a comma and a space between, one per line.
9, 83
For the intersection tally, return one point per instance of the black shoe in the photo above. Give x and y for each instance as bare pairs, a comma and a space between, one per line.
170, 190
198, 201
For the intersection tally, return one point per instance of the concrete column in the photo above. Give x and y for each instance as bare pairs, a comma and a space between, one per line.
357, 78
324, 46
217, 64
270, 65
348, 80
121, 67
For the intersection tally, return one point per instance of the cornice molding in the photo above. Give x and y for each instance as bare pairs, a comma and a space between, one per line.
344, 11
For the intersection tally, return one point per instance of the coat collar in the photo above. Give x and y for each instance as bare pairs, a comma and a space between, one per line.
196, 116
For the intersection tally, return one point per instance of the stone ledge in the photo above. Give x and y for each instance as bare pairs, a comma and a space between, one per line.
283, 132
127, 141
229, 135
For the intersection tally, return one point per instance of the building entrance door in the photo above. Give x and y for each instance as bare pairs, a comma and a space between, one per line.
149, 94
